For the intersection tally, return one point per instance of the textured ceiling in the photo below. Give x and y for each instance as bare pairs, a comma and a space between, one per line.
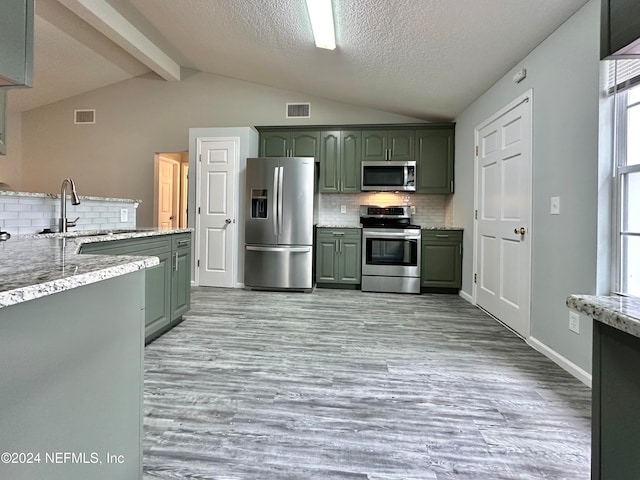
428, 59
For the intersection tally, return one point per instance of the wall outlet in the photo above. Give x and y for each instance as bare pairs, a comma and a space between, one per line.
555, 206
574, 322
124, 215
343, 209
412, 209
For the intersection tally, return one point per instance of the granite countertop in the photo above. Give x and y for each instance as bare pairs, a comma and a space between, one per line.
10, 193
616, 311
328, 225
34, 266
443, 228
323, 225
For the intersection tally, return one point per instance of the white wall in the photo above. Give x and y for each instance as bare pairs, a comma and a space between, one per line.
139, 117
248, 137
563, 72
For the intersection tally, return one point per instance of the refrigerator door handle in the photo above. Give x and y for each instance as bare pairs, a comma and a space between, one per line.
280, 199
252, 248
274, 203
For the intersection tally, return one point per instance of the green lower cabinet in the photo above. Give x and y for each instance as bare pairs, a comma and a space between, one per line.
158, 280
168, 285
338, 257
441, 259
181, 276
615, 421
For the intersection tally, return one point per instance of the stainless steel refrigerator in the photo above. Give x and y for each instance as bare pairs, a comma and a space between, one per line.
279, 223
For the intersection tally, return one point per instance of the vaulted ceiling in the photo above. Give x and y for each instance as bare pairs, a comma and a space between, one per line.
428, 59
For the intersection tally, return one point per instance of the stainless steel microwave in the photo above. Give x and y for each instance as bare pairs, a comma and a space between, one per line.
388, 176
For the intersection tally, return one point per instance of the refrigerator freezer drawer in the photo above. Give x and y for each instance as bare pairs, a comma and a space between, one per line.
278, 267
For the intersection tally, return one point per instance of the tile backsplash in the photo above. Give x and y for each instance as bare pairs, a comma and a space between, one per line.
431, 210
27, 213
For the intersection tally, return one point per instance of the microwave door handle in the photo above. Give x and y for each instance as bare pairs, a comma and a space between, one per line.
406, 175
274, 203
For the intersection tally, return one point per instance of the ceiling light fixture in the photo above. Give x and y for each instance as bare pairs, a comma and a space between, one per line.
321, 15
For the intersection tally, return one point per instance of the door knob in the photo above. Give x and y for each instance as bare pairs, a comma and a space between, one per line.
519, 231
227, 221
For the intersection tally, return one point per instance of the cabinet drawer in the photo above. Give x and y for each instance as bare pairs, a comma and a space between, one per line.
181, 240
442, 235
340, 232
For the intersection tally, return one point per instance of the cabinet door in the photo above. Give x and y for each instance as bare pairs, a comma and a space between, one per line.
181, 274
16, 39
374, 145
326, 258
441, 264
274, 144
181, 282
330, 171
158, 295
350, 262
305, 144
435, 161
401, 143
350, 142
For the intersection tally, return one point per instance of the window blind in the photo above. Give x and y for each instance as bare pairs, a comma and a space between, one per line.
622, 74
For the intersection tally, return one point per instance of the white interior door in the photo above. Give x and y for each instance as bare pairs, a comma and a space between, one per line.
503, 236
216, 224
166, 173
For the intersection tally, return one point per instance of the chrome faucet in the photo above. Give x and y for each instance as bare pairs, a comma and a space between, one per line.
64, 223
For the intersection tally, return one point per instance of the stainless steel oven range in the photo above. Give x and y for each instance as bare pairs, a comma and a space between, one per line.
390, 250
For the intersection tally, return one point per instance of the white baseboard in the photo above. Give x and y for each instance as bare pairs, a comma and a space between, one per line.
564, 363
465, 296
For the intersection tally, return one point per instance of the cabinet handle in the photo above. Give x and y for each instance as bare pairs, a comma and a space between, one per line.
442, 236
182, 243
340, 242
175, 259
338, 234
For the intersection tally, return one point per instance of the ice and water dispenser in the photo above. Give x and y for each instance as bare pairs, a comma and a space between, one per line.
259, 203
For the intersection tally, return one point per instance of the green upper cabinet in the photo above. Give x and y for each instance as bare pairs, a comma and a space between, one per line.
283, 143
388, 144
340, 161
274, 144
16, 41
435, 160
341, 149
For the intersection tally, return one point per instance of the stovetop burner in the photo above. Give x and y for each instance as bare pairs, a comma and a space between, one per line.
375, 216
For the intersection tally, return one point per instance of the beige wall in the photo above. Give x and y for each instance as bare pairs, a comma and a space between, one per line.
11, 164
139, 117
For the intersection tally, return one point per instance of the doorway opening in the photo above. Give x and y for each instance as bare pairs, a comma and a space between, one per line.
171, 175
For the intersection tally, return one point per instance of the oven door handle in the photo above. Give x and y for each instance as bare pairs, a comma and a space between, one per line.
392, 235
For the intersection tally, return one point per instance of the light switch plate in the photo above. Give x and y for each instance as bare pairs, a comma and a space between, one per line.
555, 205
124, 215
413, 209
343, 209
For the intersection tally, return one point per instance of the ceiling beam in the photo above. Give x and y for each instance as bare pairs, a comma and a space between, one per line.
107, 20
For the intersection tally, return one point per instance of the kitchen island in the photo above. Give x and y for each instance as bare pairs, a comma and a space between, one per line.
616, 384
71, 358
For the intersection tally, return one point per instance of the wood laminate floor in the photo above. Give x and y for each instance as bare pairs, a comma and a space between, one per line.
361, 386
